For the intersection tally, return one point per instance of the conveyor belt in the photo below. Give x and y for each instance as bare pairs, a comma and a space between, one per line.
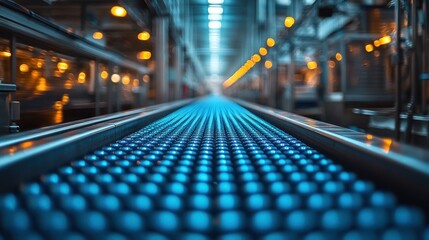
209, 170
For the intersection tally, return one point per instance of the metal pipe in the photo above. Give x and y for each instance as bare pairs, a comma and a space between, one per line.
414, 72
398, 91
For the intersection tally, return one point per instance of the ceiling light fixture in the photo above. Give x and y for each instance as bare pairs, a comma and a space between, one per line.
118, 11
215, 24
215, 10
215, 17
216, 1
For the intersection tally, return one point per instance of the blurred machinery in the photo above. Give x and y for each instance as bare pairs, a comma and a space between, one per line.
358, 64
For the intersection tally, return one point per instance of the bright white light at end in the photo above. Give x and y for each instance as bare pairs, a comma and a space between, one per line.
215, 10
284, 2
215, 24
215, 1
215, 17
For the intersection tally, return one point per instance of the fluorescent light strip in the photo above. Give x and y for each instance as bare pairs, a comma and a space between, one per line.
216, 1
215, 17
215, 24
215, 10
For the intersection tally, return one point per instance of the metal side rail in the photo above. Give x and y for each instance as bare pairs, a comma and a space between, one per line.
398, 167
28, 154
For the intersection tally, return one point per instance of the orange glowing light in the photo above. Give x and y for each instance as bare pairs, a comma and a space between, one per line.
377, 43
97, 35
263, 51
268, 64
5, 54
118, 11
312, 65
289, 22
256, 58
338, 56
24, 68
271, 42
144, 55
104, 75
126, 80
143, 36
385, 40
369, 48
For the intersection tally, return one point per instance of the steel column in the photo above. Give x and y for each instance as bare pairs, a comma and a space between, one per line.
161, 58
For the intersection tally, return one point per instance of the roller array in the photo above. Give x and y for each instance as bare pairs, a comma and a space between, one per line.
211, 170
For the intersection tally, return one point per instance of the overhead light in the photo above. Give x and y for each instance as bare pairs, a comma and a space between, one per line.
215, 1
289, 22
24, 68
97, 35
215, 10
377, 43
143, 36
312, 65
263, 51
369, 48
385, 40
118, 11
338, 56
256, 58
215, 17
144, 55
115, 78
271, 42
215, 24
5, 54
268, 64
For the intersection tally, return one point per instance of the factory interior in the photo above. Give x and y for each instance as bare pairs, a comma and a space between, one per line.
214, 119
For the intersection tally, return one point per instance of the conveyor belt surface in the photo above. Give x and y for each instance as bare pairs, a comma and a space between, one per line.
209, 170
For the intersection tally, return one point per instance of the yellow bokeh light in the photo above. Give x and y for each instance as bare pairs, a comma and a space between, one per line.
97, 35
369, 48
41, 86
118, 11
268, 64
377, 43
58, 105
385, 40
271, 42
126, 80
144, 55
289, 22
256, 58
338, 56
144, 36
68, 84
24, 68
136, 83
104, 75
312, 65
146, 78
5, 54
81, 78
263, 51
35, 74
62, 66
65, 99
115, 78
